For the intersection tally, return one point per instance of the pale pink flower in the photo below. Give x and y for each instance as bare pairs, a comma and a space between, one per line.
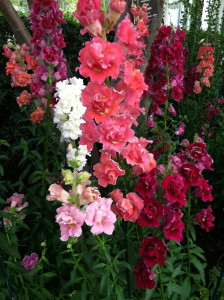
29, 262
57, 193
15, 200
100, 216
70, 219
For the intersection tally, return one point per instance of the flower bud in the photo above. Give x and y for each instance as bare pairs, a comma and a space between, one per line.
68, 178
84, 176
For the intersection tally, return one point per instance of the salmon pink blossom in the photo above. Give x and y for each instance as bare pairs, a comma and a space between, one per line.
100, 59
37, 115
116, 8
101, 101
24, 98
127, 208
136, 155
115, 133
107, 171
89, 134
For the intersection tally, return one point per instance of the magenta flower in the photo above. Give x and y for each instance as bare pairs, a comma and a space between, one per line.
29, 262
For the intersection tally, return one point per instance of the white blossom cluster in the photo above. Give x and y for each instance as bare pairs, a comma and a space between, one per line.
78, 155
69, 110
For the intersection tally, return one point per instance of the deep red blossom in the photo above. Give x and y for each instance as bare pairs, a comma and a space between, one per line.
204, 190
144, 277
153, 251
147, 185
172, 225
43, 2
205, 218
167, 54
48, 21
177, 93
100, 59
191, 174
196, 151
151, 213
175, 189
50, 54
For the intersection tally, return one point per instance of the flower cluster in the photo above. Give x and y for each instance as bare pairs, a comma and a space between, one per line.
16, 205
111, 111
153, 252
183, 172
42, 72
210, 111
205, 67
81, 204
165, 71
94, 21
48, 43
69, 109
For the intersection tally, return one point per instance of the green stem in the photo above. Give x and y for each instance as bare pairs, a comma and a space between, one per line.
80, 270
161, 283
20, 276
188, 235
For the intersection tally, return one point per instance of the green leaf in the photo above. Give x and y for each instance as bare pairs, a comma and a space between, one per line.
100, 265
1, 170
177, 289
10, 250
199, 266
49, 274
186, 286
176, 271
119, 292
103, 281
36, 154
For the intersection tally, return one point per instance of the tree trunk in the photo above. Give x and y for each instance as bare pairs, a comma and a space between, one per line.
30, 3
21, 33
